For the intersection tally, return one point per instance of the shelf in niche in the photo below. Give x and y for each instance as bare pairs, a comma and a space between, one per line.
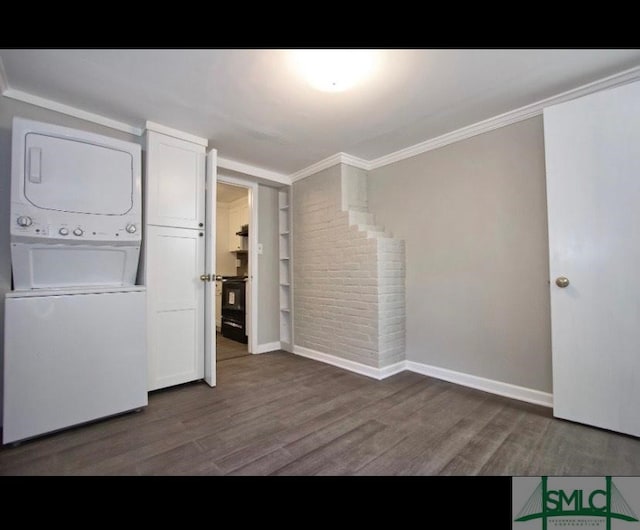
285, 207
285, 284
284, 257
284, 233
285, 309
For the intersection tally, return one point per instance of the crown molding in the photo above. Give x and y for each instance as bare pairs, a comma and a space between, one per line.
49, 104
255, 171
175, 133
507, 118
338, 158
4, 83
350, 160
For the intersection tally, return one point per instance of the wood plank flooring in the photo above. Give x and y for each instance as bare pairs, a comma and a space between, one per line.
229, 349
281, 414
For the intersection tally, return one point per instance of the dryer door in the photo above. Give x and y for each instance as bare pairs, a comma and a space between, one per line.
79, 177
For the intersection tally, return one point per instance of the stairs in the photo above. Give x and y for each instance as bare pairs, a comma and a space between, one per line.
365, 222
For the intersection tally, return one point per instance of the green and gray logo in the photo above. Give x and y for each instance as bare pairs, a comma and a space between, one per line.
586, 502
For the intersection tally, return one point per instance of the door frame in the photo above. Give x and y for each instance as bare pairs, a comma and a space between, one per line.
252, 298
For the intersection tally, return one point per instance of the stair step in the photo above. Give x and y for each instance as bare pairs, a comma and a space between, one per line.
365, 222
360, 218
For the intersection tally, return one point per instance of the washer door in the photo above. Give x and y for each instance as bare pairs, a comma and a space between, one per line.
78, 177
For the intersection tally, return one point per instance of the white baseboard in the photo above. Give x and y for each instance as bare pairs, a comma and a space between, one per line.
480, 383
269, 346
492, 386
352, 366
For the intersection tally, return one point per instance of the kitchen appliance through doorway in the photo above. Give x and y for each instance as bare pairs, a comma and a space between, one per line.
233, 318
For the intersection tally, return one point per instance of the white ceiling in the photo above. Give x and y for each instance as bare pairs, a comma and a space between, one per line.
254, 108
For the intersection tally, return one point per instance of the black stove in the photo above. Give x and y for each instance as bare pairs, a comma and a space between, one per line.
233, 322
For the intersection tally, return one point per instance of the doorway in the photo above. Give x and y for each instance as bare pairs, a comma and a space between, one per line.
234, 283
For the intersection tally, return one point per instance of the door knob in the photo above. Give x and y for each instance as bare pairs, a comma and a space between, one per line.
217, 278
205, 277
562, 282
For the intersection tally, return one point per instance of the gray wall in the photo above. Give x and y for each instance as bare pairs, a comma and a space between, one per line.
473, 217
268, 263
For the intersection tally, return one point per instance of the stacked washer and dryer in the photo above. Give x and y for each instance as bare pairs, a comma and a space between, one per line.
75, 346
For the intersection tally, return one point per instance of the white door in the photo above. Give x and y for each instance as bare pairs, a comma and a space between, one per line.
592, 149
176, 309
210, 267
175, 192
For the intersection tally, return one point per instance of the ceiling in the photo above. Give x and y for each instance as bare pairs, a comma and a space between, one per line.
228, 193
254, 107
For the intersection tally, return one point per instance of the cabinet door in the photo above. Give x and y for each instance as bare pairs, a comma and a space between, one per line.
174, 180
175, 305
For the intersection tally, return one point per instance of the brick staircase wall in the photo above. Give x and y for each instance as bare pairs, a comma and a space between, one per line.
348, 273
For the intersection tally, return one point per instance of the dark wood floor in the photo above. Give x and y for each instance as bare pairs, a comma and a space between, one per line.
229, 349
277, 413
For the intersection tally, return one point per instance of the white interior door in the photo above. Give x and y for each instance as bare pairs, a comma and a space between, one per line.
593, 191
210, 267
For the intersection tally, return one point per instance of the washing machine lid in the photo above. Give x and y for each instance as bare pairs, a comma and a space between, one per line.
76, 176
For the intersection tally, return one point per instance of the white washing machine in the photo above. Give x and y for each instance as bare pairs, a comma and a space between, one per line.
75, 347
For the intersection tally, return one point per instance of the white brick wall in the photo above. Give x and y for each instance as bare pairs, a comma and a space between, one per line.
348, 280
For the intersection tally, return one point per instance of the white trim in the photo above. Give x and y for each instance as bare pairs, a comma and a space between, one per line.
71, 111
392, 369
253, 253
254, 171
267, 347
507, 118
338, 158
4, 82
480, 383
352, 366
499, 388
169, 131
350, 160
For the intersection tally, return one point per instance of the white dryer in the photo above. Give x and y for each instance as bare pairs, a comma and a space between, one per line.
75, 208
75, 338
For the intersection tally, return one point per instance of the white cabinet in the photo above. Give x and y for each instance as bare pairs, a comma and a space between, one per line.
174, 258
286, 302
175, 193
175, 309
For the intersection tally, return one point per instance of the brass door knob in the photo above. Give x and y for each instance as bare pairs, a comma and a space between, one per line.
562, 282
205, 277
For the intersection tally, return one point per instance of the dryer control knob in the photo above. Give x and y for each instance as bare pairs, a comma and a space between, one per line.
78, 232
24, 220
63, 231
131, 228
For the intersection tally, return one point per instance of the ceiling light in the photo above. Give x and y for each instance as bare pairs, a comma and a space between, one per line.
334, 70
